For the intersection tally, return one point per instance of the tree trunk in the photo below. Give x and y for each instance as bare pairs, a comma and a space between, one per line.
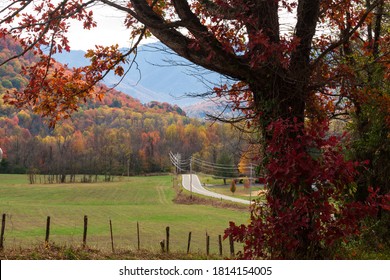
279, 100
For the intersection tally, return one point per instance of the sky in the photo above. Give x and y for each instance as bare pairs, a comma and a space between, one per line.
110, 30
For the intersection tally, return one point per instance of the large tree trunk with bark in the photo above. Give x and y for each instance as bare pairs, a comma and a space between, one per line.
279, 90
279, 100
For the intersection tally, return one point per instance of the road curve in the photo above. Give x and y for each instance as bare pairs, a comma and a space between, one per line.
197, 188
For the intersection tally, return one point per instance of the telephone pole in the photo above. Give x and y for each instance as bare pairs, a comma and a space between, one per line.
191, 177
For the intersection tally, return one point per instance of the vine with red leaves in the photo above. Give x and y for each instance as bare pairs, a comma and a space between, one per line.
310, 206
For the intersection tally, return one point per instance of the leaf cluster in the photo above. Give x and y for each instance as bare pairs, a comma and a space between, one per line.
310, 208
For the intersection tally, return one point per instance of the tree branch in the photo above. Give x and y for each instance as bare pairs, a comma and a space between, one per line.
47, 26
16, 12
346, 36
210, 56
307, 16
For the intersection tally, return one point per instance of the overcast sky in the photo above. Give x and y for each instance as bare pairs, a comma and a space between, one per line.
110, 30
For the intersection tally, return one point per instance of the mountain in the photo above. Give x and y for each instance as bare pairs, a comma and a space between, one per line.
211, 107
116, 134
158, 75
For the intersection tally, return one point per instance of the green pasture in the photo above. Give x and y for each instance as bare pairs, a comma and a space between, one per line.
147, 200
216, 185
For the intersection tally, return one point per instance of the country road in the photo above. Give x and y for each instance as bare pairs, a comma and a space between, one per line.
197, 188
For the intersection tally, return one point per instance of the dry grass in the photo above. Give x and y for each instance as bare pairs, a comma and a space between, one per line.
56, 252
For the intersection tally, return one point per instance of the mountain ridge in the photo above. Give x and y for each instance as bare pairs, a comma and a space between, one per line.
158, 75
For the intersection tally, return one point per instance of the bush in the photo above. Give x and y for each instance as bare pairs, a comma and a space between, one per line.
310, 206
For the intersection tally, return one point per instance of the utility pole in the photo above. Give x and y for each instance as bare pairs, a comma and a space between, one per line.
178, 163
128, 167
191, 177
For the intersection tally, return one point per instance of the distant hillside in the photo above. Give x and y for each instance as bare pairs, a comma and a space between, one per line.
155, 78
116, 135
10, 76
209, 107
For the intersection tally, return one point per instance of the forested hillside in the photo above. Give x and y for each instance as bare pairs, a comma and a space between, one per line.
116, 135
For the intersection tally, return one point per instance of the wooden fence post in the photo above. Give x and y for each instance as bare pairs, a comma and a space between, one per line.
162, 244
112, 238
85, 231
138, 237
220, 244
167, 240
207, 244
2, 232
189, 242
231, 245
47, 230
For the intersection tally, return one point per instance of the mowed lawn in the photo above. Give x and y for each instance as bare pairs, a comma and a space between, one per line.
147, 200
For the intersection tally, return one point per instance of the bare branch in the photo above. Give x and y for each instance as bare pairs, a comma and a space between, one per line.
130, 51
16, 12
48, 25
347, 35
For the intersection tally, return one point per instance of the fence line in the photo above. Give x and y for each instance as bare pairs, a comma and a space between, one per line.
164, 244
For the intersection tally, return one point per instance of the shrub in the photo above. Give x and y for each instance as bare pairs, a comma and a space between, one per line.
310, 208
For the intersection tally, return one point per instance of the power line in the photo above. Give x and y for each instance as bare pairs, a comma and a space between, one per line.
178, 163
210, 168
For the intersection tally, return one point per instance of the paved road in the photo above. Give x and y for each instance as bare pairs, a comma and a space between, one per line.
197, 188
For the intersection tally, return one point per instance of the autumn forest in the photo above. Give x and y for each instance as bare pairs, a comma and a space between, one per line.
116, 135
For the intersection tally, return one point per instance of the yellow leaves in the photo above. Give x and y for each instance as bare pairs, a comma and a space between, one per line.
47, 140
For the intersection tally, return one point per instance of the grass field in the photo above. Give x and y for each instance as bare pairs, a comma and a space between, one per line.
147, 200
216, 185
